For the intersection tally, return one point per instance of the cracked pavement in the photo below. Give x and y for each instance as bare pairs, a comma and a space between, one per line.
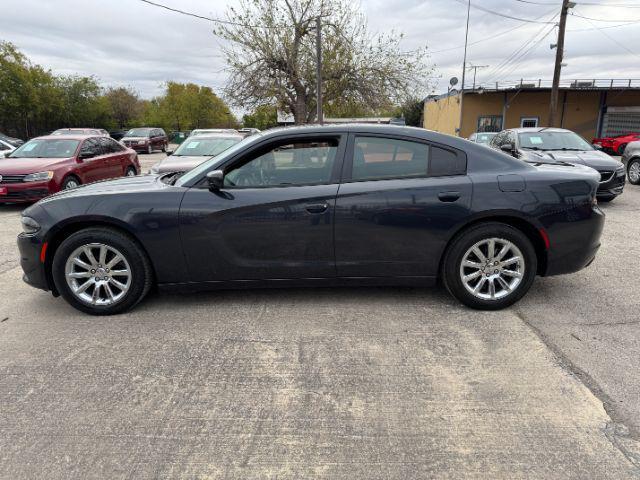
326, 383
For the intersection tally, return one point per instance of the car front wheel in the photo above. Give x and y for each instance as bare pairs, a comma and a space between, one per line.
633, 171
490, 266
101, 271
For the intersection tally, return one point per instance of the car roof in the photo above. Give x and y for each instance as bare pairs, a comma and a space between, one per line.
538, 129
220, 135
75, 136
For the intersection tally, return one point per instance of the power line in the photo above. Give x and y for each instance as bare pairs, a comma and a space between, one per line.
604, 20
527, 20
209, 19
599, 4
624, 47
486, 39
603, 28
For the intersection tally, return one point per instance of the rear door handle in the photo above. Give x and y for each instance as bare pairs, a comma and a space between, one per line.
317, 207
449, 196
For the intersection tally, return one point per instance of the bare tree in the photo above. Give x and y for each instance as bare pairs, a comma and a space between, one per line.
271, 58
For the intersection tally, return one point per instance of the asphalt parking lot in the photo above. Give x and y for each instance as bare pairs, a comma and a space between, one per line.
325, 383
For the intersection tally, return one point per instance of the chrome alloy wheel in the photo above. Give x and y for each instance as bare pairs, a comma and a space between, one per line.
634, 172
492, 268
98, 274
71, 184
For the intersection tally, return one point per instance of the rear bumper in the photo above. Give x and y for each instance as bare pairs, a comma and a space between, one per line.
25, 192
573, 246
30, 247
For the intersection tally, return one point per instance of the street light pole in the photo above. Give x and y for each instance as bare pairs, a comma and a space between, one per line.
464, 68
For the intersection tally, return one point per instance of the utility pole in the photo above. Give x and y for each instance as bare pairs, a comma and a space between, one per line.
320, 115
557, 70
464, 68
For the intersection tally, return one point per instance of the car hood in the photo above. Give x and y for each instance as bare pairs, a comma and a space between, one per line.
123, 185
23, 166
180, 163
590, 158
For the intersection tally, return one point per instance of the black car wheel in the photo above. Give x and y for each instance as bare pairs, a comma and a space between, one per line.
70, 182
633, 171
489, 266
164, 147
130, 172
149, 149
101, 271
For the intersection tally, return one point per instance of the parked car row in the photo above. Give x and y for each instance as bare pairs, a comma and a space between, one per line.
56, 162
543, 145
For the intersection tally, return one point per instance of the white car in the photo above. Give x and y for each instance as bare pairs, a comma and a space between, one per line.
5, 148
207, 131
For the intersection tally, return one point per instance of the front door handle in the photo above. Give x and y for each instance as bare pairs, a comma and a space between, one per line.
317, 208
449, 196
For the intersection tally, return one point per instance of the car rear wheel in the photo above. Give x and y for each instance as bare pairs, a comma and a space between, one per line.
633, 171
130, 172
164, 147
101, 271
489, 266
70, 182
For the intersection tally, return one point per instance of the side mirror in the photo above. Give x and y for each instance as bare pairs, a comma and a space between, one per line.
507, 147
215, 179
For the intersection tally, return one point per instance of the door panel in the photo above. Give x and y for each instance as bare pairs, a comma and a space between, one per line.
259, 233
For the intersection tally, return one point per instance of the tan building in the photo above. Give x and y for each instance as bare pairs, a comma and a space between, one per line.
591, 108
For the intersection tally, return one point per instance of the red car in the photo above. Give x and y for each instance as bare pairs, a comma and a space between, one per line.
146, 139
49, 164
617, 144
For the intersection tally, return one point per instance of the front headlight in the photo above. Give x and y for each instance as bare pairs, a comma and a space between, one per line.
29, 225
141, 142
38, 177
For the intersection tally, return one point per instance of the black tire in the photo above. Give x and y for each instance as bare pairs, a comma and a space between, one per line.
149, 149
70, 182
635, 161
164, 148
457, 249
127, 172
141, 272
622, 148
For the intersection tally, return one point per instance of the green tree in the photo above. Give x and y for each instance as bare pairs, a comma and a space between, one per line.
125, 105
263, 117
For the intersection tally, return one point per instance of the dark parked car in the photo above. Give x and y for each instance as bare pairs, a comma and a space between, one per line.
16, 142
117, 134
631, 160
535, 145
312, 206
146, 139
49, 164
195, 150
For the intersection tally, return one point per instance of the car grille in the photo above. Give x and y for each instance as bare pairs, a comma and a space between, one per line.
12, 178
606, 175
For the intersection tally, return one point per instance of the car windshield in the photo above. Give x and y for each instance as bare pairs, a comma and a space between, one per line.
205, 146
484, 137
553, 141
229, 152
138, 132
46, 148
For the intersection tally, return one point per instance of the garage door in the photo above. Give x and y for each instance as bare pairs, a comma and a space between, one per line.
620, 120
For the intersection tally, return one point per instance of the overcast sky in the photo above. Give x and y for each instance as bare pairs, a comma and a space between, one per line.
127, 42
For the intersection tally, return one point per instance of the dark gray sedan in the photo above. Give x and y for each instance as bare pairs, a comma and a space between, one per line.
195, 150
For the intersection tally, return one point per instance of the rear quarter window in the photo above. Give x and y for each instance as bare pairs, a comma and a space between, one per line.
444, 161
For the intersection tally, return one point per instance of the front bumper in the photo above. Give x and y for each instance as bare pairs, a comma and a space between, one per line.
24, 192
138, 148
30, 247
613, 185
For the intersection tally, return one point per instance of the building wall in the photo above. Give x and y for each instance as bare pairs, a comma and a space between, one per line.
577, 110
442, 115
